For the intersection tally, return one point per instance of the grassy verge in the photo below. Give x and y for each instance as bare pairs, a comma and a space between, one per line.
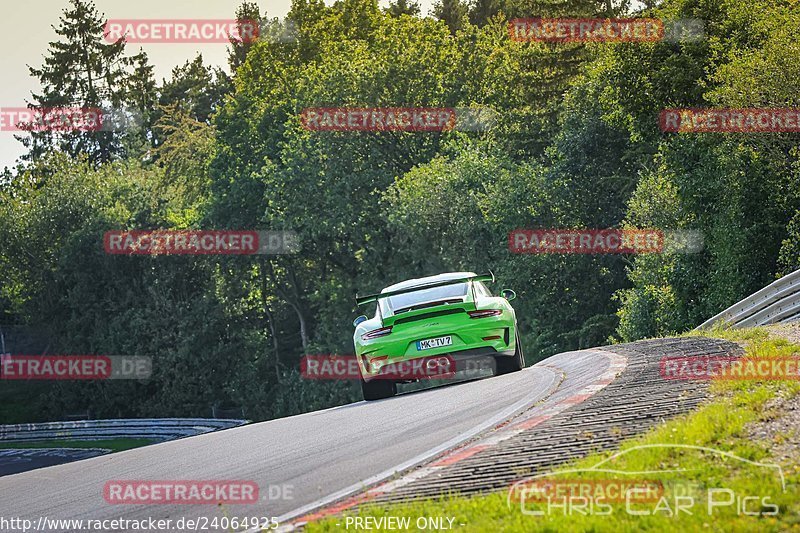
714, 491
115, 445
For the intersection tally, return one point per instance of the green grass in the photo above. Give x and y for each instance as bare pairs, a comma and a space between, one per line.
115, 445
742, 335
719, 424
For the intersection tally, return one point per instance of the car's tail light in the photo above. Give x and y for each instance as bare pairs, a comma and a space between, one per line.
375, 333
483, 313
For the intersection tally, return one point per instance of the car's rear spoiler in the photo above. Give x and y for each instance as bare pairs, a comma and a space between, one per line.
362, 300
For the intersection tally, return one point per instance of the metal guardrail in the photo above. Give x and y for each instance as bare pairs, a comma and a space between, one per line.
158, 429
776, 303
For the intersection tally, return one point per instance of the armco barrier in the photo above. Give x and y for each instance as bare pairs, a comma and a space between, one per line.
157, 429
775, 303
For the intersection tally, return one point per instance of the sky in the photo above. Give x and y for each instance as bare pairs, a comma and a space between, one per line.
27, 30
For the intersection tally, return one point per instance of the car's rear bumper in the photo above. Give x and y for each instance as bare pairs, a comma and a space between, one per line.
470, 360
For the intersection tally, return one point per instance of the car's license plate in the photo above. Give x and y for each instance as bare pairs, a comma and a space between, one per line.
438, 342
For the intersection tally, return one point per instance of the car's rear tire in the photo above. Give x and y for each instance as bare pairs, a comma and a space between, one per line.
515, 363
378, 389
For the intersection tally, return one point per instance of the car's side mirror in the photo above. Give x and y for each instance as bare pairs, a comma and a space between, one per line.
359, 320
508, 294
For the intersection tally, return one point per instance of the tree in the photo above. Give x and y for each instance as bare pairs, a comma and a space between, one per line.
196, 89
480, 11
184, 154
403, 7
452, 12
789, 259
246, 13
142, 94
82, 71
738, 190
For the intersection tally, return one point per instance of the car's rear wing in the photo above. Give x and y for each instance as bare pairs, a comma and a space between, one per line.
362, 300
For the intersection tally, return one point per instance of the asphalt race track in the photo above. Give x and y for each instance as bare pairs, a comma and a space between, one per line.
467, 437
15, 461
310, 456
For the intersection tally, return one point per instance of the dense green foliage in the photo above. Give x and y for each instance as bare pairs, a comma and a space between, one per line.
576, 144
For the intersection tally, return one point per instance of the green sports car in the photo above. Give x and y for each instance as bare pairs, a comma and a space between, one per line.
453, 316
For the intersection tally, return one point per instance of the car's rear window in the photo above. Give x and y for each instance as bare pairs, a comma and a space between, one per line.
404, 301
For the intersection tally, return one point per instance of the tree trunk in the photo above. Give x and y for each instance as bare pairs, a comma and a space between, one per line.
270, 322
295, 302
